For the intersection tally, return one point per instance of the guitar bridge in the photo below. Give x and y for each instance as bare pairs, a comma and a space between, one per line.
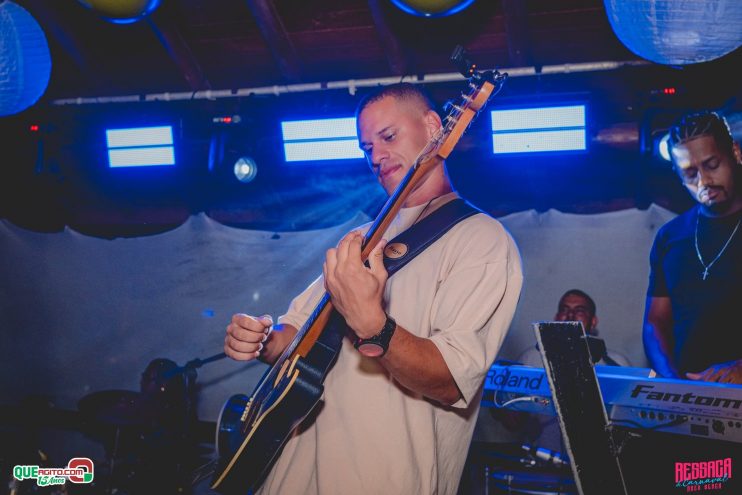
247, 410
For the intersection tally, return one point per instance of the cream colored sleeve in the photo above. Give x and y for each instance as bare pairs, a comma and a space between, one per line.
473, 309
301, 306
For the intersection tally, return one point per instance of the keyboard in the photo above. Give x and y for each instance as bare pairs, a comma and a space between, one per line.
632, 398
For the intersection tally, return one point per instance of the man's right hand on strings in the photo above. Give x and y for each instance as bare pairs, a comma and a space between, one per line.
251, 337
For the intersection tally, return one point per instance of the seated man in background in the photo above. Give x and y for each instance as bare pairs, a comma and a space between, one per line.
576, 305
537, 430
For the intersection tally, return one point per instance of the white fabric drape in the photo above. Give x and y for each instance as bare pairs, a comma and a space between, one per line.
80, 314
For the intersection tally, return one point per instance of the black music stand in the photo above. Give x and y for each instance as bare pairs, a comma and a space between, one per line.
579, 404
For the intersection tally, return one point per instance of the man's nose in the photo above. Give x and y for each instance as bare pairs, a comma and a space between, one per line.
702, 179
378, 154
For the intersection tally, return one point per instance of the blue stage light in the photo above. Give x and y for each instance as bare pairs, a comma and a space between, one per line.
141, 157
245, 169
436, 8
542, 129
139, 136
140, 146
538, 141
322, 139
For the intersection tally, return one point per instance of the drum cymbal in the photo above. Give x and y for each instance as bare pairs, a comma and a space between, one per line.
116, 407
533, 482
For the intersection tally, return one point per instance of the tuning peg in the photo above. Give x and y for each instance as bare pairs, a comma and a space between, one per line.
449, 107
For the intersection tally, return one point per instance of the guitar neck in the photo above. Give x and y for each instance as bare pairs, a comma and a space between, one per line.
392, 207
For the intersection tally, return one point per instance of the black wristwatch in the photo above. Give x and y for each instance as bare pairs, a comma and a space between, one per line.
377, 345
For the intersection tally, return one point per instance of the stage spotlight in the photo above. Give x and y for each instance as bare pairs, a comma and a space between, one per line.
231, 161
245, 169
122, 11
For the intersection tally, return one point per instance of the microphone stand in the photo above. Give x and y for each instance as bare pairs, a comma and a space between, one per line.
189, 373
192, 365
185, 436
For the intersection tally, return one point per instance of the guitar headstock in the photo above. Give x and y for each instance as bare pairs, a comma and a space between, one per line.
483, 85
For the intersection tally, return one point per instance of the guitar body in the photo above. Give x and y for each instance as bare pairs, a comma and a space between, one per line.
246, 456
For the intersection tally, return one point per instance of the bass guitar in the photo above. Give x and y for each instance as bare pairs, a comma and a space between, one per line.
252, 430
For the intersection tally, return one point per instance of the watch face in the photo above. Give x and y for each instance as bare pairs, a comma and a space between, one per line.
371, 349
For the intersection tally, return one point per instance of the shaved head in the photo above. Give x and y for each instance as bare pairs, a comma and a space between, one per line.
409, 94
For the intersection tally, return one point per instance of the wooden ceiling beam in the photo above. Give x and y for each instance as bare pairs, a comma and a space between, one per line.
275, 36
516, 28
177, 49
54, 25
392, 47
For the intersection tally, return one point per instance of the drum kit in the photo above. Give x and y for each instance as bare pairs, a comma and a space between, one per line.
148, 436
150, 443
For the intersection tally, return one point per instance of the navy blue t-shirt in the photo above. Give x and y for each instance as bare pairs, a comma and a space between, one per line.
706, 313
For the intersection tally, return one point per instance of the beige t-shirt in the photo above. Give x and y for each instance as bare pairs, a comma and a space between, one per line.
373, 436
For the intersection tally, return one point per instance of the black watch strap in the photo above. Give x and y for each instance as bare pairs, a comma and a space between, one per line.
377, 345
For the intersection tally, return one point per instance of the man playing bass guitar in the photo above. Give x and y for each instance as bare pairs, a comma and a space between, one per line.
398, 414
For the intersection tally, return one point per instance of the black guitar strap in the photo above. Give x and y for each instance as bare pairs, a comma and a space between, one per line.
413, 241
398, 252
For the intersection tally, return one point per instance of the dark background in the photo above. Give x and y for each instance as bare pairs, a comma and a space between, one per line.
58, 176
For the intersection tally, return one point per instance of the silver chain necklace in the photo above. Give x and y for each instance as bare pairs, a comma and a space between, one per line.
423, 210
706, 267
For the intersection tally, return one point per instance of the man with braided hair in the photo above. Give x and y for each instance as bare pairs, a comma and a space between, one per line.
692, 314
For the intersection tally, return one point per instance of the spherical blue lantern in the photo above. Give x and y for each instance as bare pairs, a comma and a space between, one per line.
677, 32
432, 8
122, 11
25, 62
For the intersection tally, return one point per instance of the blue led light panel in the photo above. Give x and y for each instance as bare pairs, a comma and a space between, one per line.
527, 130
141, 157
322, 139
140, 146
139, 136
539, 141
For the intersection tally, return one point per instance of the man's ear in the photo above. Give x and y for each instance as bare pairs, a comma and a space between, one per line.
594, 326
433, 122
737, 152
